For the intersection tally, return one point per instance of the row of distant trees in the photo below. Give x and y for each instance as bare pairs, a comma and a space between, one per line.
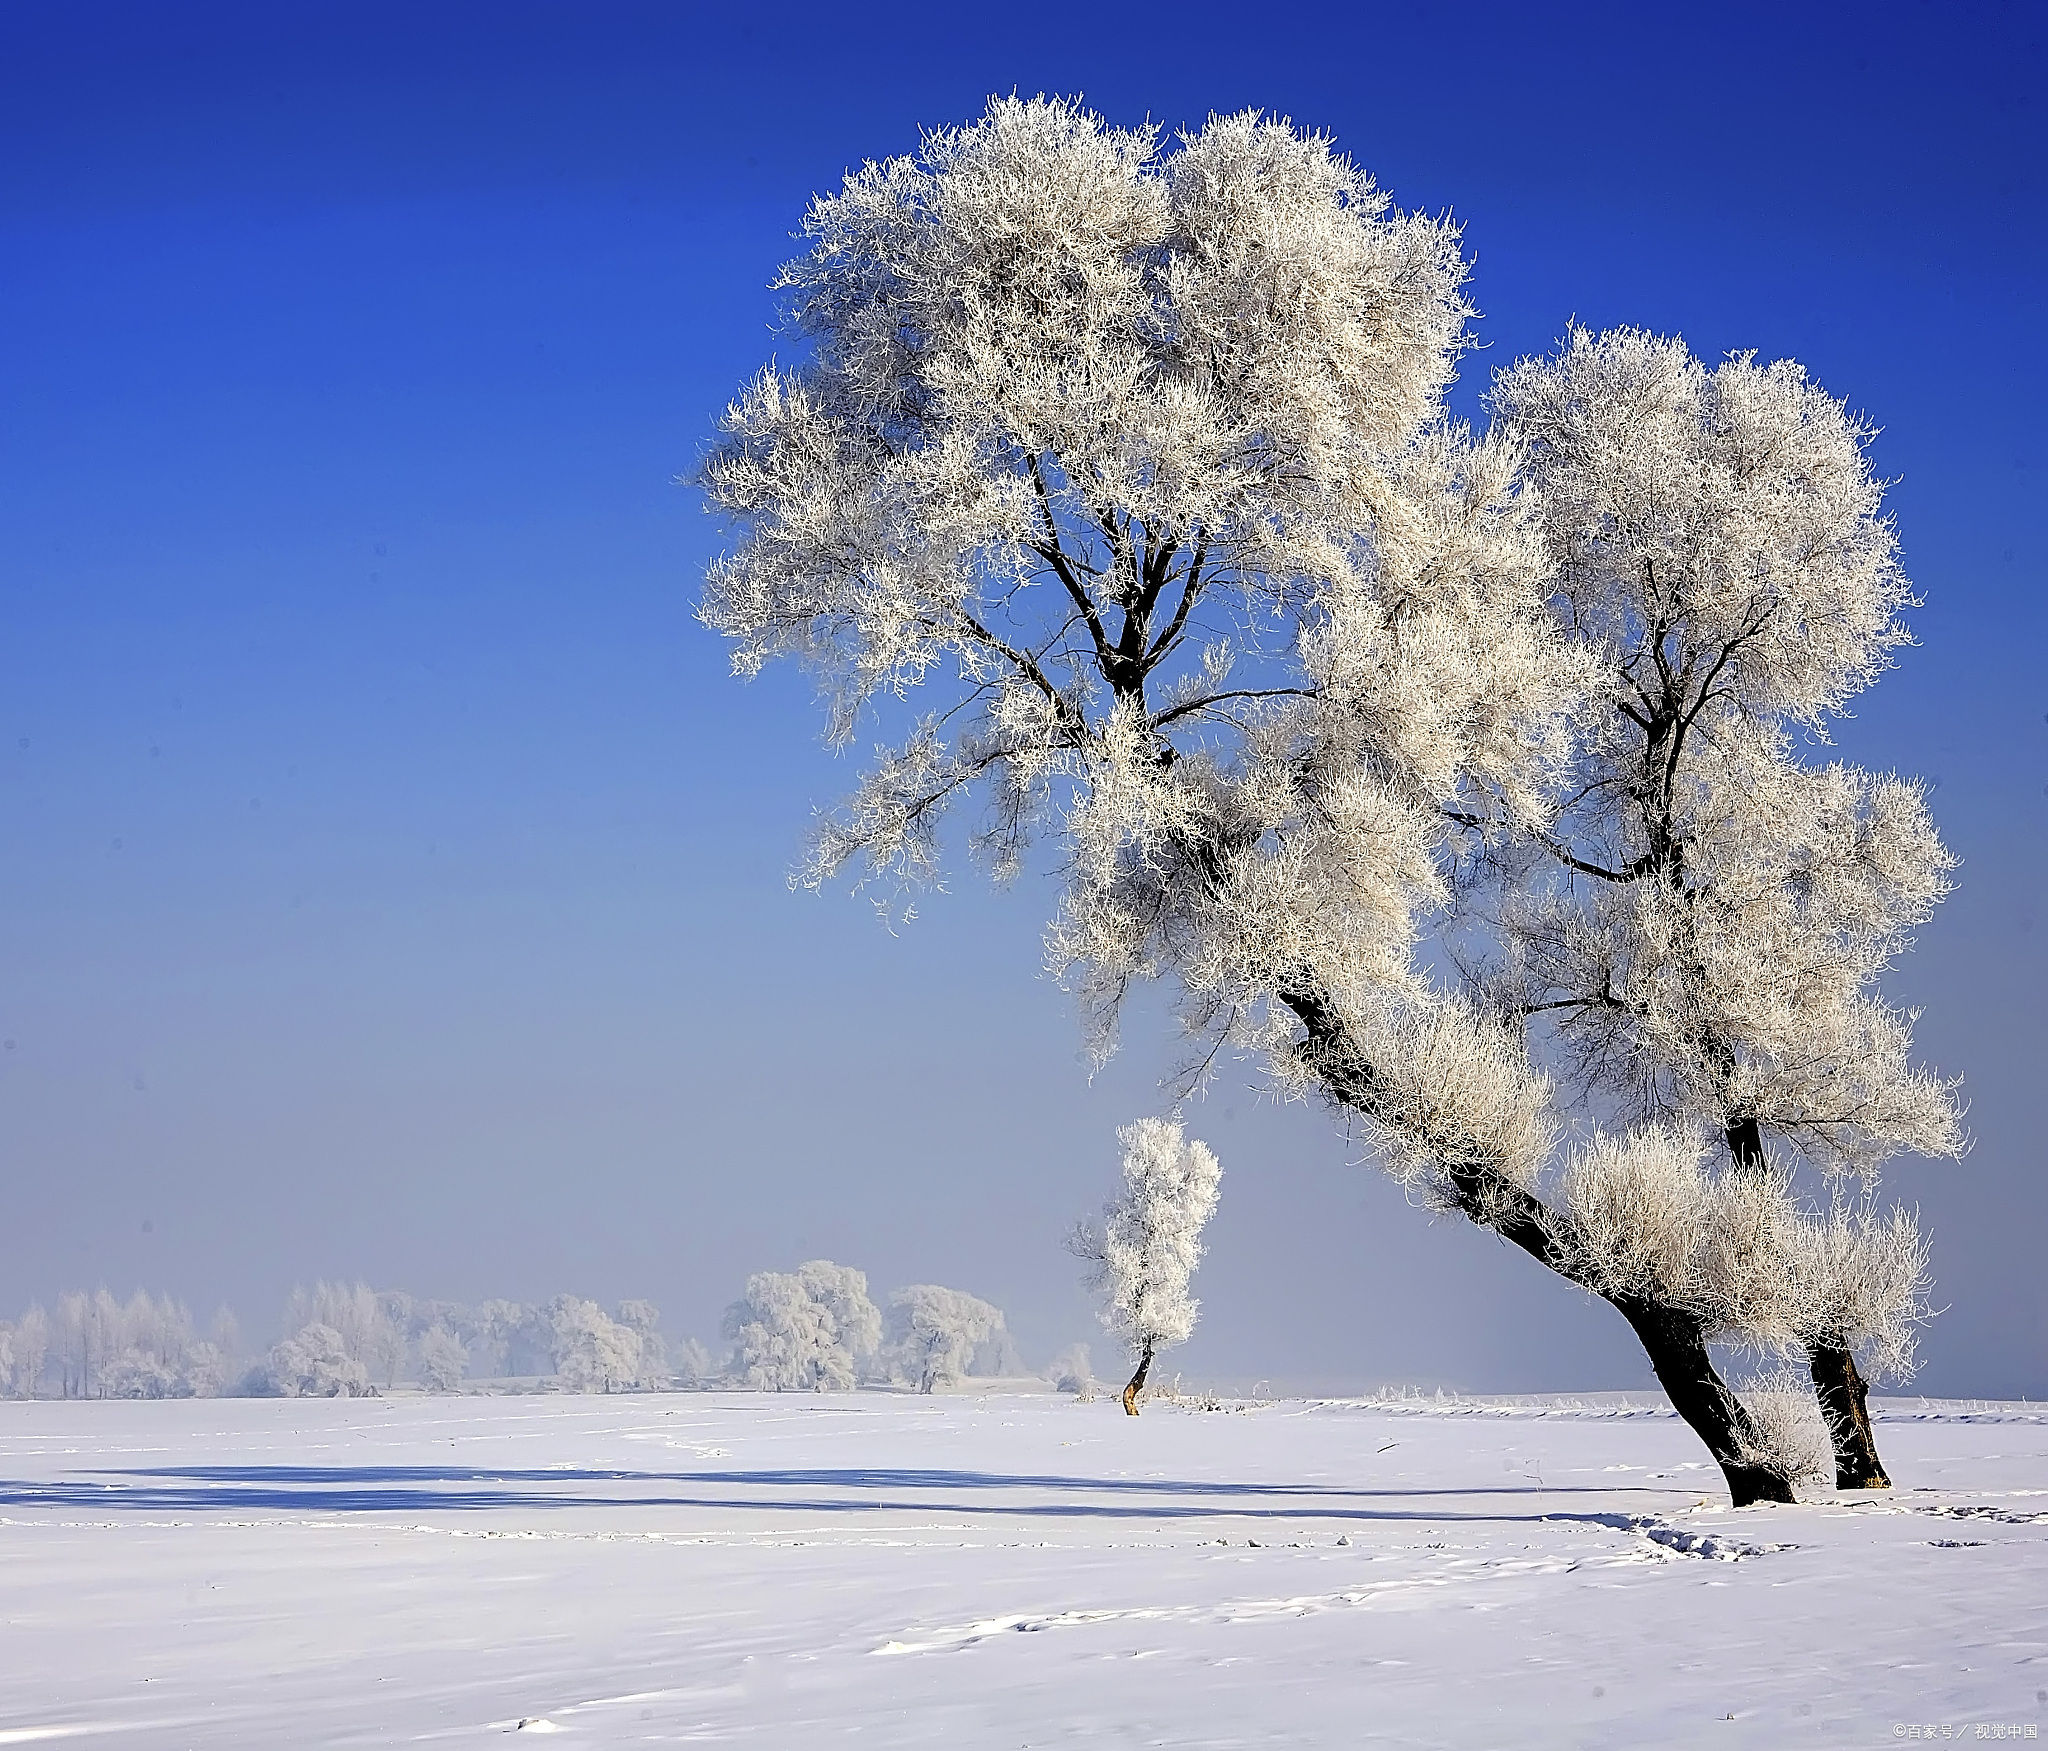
95, 1346
812, 1329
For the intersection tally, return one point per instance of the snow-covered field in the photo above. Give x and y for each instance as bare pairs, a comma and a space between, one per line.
998, 1571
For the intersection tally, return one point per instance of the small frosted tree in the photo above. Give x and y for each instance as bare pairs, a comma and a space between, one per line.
807, 1330
1145, 1252
933, 1333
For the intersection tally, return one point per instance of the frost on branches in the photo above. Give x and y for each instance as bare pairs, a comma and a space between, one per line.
1150, 1241
1131, 457
1708, 918
807, 1330
1702, 929
1134, 456
934, 1334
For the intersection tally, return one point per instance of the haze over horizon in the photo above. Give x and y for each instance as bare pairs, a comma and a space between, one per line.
392, 878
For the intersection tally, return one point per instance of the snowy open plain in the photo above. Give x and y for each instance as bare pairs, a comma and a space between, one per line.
999, 1571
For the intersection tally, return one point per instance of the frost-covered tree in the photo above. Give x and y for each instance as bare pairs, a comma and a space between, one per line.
807, 1330
1150, 1240
78, 1341
592, 1352
361, 1320
511, 1336
99, 1347
1137, 459
313, 1362
152, 1353
1702, 928
643, 1319
783, 1340
932, 1334
443, 1360
1101, 440
31, 1346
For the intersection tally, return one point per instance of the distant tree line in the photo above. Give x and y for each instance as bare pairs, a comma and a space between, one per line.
813, 1329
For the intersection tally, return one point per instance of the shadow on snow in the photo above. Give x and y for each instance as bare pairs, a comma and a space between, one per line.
412, 1489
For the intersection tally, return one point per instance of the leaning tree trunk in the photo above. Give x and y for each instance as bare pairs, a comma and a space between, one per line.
1674, 1339
1678, 1352
1837, 1382
1840, 1387
1137, 1384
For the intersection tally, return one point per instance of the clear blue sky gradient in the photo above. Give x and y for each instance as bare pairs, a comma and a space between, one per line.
391, 878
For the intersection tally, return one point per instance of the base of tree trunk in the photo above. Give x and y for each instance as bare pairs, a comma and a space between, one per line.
1843, 1395
1678, 1352
1137, 1384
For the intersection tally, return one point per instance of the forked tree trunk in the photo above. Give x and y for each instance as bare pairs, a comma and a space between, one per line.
1837, 1381
1674, 1339
1137, 1384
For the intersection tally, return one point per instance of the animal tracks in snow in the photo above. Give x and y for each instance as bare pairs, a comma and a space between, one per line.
2005, 1516
1708, 1546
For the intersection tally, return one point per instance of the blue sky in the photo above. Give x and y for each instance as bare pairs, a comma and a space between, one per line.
391, 877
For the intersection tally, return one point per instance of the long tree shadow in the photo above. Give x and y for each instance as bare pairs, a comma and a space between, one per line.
406, 1489
808, 1477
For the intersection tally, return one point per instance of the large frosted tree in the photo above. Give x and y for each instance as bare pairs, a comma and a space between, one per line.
1702, 928
1134, 459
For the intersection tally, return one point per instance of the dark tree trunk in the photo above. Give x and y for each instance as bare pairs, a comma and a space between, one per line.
1839, 1385
1697, 1392
1837, 1382
1673, 1339
1746, 1143
1137, 1384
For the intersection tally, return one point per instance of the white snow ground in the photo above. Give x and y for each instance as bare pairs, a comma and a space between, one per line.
968, 1572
